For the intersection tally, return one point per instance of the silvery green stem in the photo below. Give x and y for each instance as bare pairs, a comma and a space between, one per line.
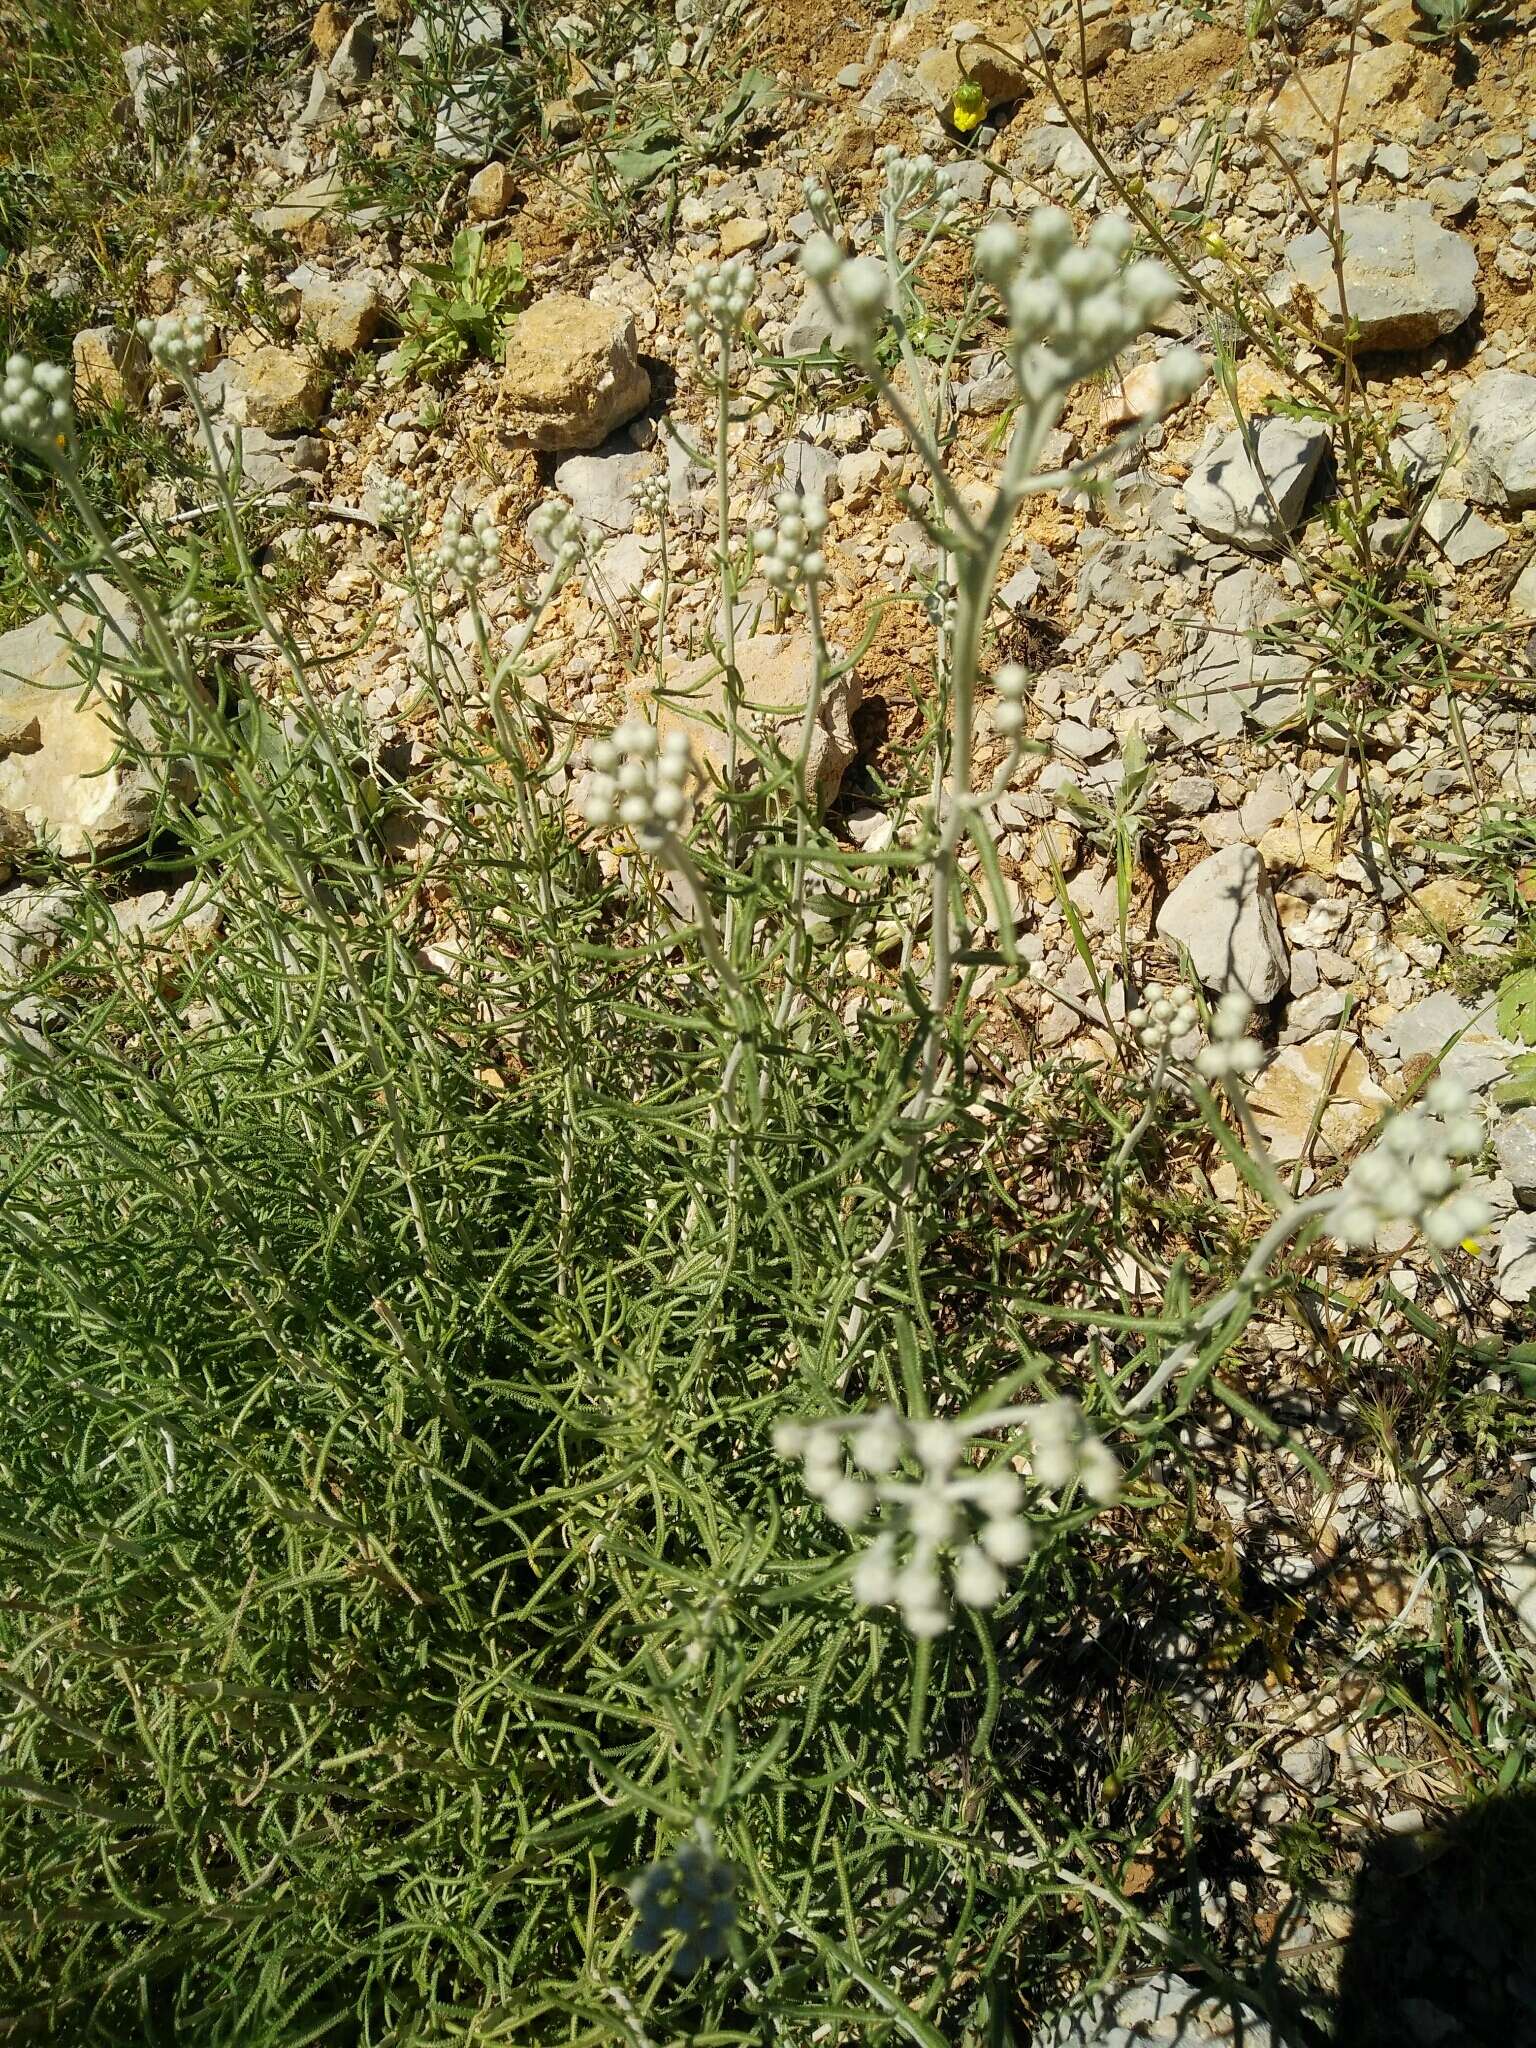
1238, 1295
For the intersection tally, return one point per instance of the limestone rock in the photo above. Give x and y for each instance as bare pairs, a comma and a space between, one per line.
573, 374
1392, 87
1514, 1143
776, 675
1465, 1043
1000, 70
601, 487
1523, 597
313, 200
1161, 2011
1252, 500
491, 192
344, 313
1233, 679
62, 711
111, 367
1318, 1099
155, 79
1407, 280
279, 390
1460, 533
1223, 914
351, 62
1496, 420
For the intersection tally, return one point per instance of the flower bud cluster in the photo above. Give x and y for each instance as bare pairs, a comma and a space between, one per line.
35, 407
1074, 304
1413, 1174
639, 780
1012, 685
470, 552
719, 297
907, 179
1231, 1055
652, 495
1161, 1016
178, 342
790, 553
950, 1533
689, 1894
398, 506
942, 604
555, 526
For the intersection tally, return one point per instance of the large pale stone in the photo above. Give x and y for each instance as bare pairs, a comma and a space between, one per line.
279, 390
1393, 88
1496, 427
1318, 1099
1223, 914
1249, 490
62, 710
1407, 280
573, 375
111, 367
776, 675
344, 312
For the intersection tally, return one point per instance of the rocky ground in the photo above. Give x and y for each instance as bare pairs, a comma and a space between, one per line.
1286, 657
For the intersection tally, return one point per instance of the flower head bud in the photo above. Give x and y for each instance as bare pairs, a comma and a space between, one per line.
178, 342
35, 407
1413, 1174
468, 553
642, 781
1161, 1017
398, 506
719, 297
998, 252
790, 552
556, 528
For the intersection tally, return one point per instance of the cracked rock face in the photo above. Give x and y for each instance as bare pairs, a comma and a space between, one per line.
573, 375
1496, 422
62, 712
1223, 914
1249, 490
1407, 280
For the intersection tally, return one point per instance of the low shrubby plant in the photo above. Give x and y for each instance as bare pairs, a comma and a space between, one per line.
544, 1508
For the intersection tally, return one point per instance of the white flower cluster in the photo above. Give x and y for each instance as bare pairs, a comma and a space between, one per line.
1012, 685
398, 505
790, 553
639, 780
951, 1514
818, 200
468, 552
178, 342
719, 297
689, 1894
185, 617
1075, 305
907, 179
1161, 1016
555, 526
1413, 1174
35, 407
652, 495
1231, 1055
